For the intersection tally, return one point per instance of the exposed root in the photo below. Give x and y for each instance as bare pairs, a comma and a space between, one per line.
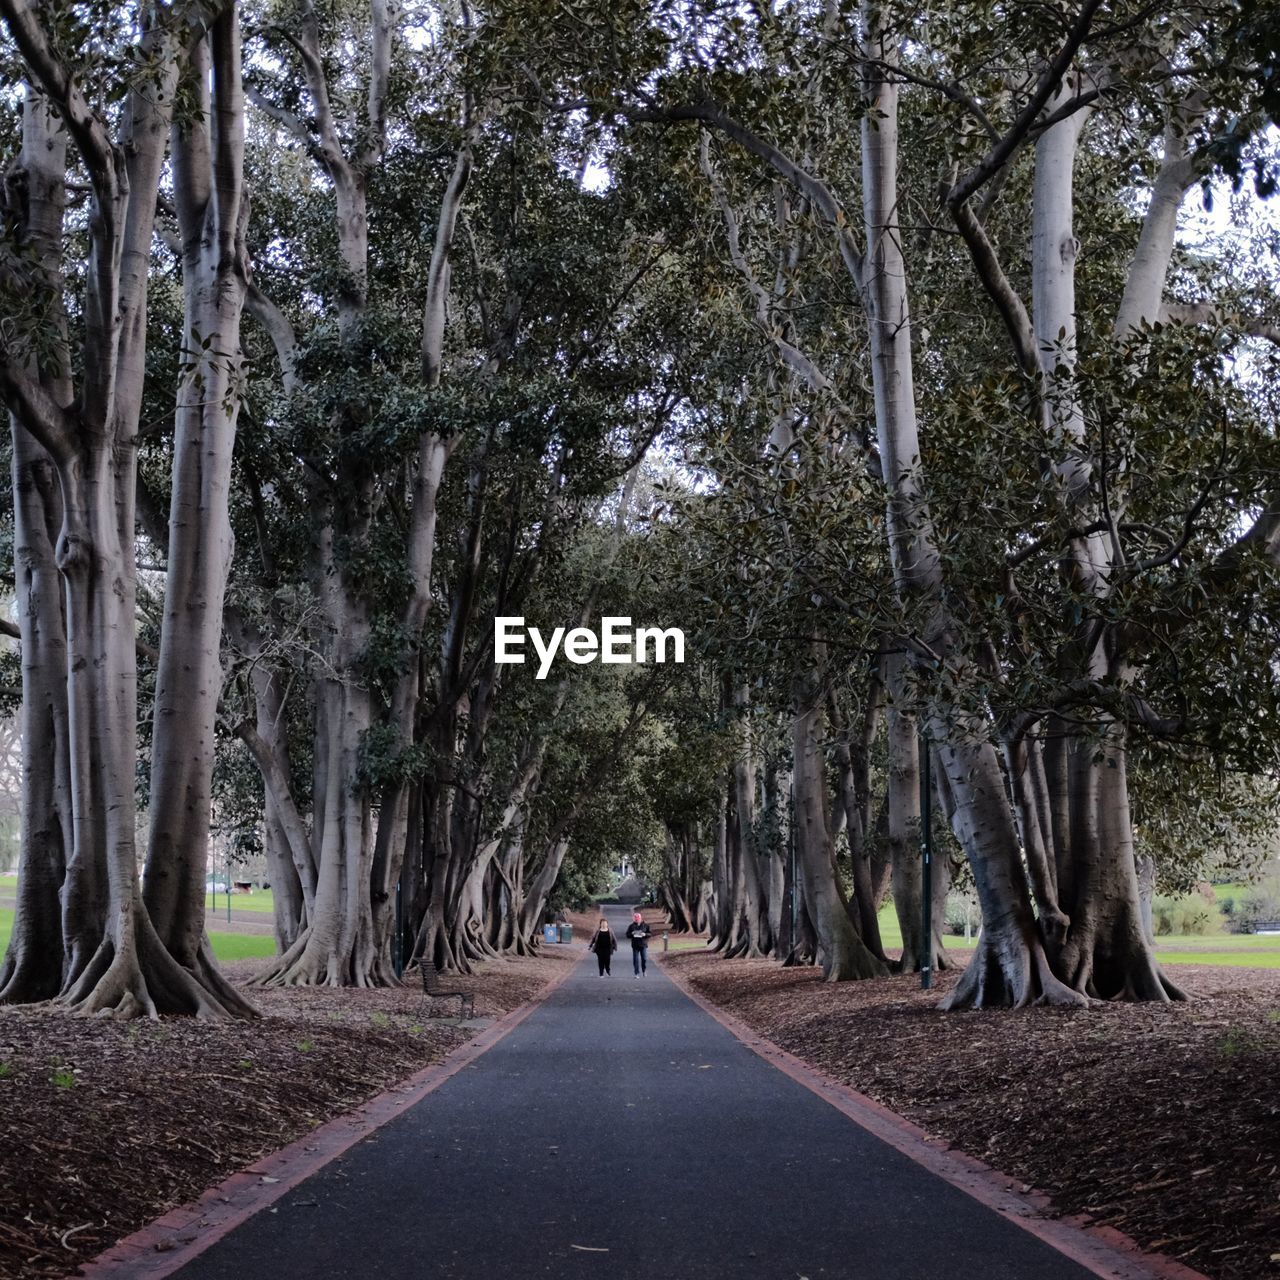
312, 963
855, 963
27, 977
1112, 960
1012, 973
136, 977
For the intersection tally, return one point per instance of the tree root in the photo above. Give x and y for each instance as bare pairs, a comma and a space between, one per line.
132, 975
1010, 972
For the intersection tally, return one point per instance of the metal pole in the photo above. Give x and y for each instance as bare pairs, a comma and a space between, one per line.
791, 840
398, 950
926, 859
228, 884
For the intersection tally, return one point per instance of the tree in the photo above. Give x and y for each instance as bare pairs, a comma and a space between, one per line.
111, 958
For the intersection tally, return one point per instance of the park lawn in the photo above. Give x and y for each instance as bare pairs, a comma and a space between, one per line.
1238, 959
241, 946
258, 900
891, 932
226, 946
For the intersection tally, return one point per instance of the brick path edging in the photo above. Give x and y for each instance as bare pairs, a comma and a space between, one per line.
1103, 1250
170, 1242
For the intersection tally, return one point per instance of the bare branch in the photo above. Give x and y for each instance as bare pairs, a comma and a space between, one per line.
292, 124
1012, 309
1206, 313
227, 130
433, 315
52, 425
379, 76
1027, 118
279, 330
1145, 279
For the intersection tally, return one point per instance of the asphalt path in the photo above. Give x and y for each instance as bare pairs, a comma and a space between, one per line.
620, 1131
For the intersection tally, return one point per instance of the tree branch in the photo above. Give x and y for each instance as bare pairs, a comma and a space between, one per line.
1026, 119
279, 330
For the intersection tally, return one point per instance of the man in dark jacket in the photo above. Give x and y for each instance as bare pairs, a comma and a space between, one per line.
639, 932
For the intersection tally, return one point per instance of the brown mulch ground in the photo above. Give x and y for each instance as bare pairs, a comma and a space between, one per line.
1163, 1122
105, 1126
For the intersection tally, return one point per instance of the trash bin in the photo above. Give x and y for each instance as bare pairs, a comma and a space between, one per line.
548, 933
566, 933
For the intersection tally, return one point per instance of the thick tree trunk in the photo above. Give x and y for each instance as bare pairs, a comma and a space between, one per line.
769, 841
1011, 966
853, 768
289, 911
338, 947
753, 938
721, 890
1108, 952
904, 844
208, 178
33, 965
540, 887
842, 952
802, 939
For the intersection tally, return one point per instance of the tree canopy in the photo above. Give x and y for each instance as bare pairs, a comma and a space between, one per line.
921, 368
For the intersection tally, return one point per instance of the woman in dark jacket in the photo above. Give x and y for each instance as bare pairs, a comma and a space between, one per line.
604, 944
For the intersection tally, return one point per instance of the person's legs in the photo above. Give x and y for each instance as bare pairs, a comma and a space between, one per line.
636, 953
603, 962
644, 959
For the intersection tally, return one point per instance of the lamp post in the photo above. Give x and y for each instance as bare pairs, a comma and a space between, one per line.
791, 841
397, 950
926, 860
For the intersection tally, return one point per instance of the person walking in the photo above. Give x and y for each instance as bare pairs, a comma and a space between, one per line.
604, 943
639, 932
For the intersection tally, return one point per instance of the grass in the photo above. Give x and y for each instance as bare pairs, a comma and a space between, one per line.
242, 946
1237, 959
1238, 950
891, 933
258, 900
1218, 941
226, 946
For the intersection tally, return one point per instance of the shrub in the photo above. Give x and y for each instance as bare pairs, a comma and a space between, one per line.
1189, 915
1163, 915
1259, 904
1194, 918
959, 907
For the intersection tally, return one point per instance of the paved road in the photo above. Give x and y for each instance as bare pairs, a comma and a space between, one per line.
620, 1117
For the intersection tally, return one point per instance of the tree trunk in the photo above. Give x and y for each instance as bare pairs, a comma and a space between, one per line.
852, 784
753, 939
33, 966
1010, 966
1108, 952
208, 158
842, 952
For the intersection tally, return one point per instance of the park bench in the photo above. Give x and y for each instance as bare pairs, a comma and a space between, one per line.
433, 990
1266, 926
